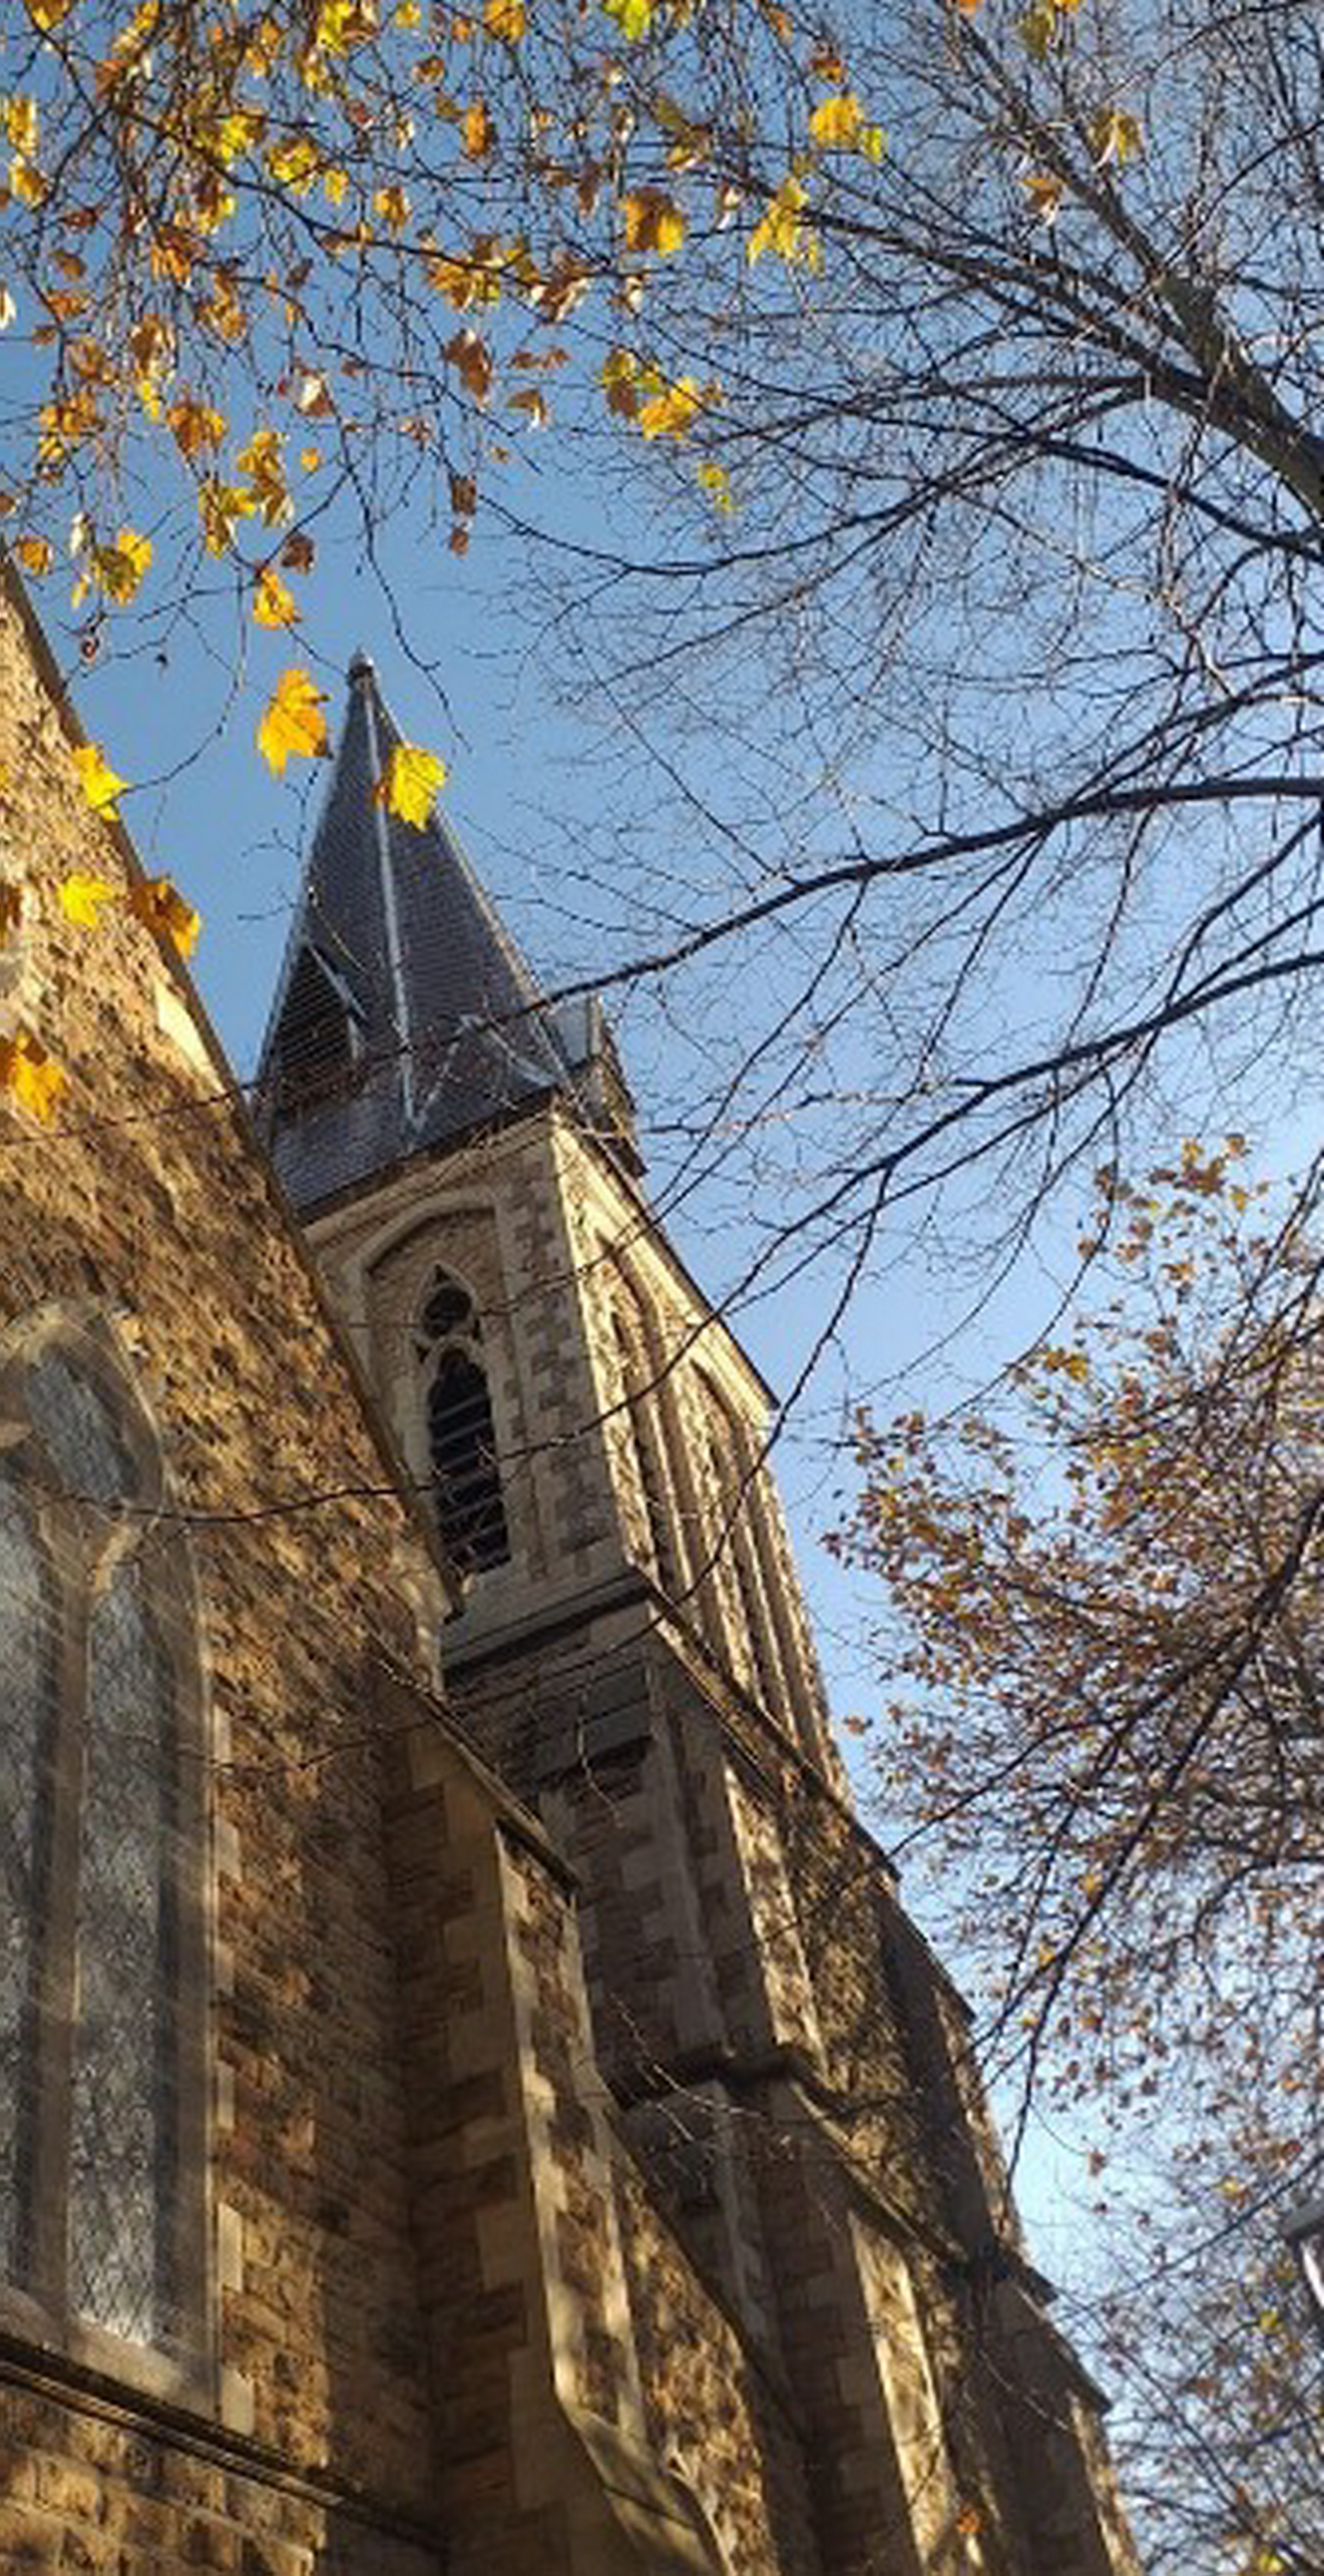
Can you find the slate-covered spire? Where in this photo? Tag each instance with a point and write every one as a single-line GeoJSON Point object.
{"type": "Point", "coordinates": [405, 1015]}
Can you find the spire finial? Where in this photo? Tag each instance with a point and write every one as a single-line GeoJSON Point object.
{"type": "Point", "coordinates": [361, 665]}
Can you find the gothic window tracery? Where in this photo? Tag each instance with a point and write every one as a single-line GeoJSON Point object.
{"type": "Point", "coordinates": [100, 1859]}
{"type": "Point", "coordinates": [461, 1435]}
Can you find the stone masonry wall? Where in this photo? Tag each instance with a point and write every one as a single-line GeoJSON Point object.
{"type": "Point", "coordinates": [145, 1208]}
{"type": "Point", "coordinates": [713, 2413]}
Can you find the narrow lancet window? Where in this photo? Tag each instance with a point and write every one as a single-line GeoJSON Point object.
{"type": "Point", "coordinates": [28, 1688]}
{"type": "Point", "coordinates": [101, 2122]}
{"type": "Point", "coordinates": [734, 1493]}
{"type": "Point", "coordinates": [461, 1435]}
{"type": "Point", "coordinates": [646, 1449]}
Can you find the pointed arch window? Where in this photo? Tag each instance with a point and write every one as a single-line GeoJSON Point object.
{"type": "Point", "coordinates": [646, 1440]}
{"type": "Point", "coordinates": [101, 1880]}
{"type": "Point", "coordinates": [461, 1436]}
{"type": "Point", "coordinates": [734, 1491]}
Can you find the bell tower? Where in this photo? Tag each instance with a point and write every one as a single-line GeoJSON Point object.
{"type": "Point", "coordinates": [787, 2064]}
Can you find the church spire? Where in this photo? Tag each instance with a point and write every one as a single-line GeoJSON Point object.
{"type": "Point", "coordinates": [405, 1015]}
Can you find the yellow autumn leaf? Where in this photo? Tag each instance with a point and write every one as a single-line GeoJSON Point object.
{"type": "Point", "coordinates": [166, 912]}
{"type": "Point", "coordinates": [783, 230]}
{"type": "Point", "coordinates": [392, 204]}
{"type": "Point", "coordinates": [32, 1078]}
{"type": "Point", "coordinates": [713, 479]}
{"type": "Point", "coordinates": [1038, 29]}
{"type": "Point", "coordinates": [408, 785]}
{"type": "Point", "coordinates": [294, 163]}
{"type": "Point", "coordinates": [633, 17]}
{"type": "Point", "coordinates": [21, 118]}
{"type": "Point", "coordinates": [268, 492]}
{"type": "Point", "coordinates": [673, 412]}
{"type": "Point", "coordinates": [82, 899]}
{"type": "Point", "coordinates": [220, 507]}
{"type": "Point", "coordinates": [836, 122]}
{"type": "Point", "coordinates": [1117, 137]}
{"type": "Point", "coordinates": [652, 221]}
{"type": "Point", "coordinates": [36, 554]}
{"type": "Point", "coordinates": [292, 721]}
{"type": "Point", "coordinates": [26, 181]}
{"type": "Point", "coordinates": [619, 376]}
{"type": "Point", "coordinates": [505, 20]}
{"type": "Point", "coordinates": [1045, 192]}
{"type": "Point", "coordinates": [100, 784]}
{"type": "Point", "coordinates": [119, 568]}
{"type": "Point", "coordinates": [274, 603]}
{"type": "Point", "coordinates": [477, 132]}
{"type": "Point", "coordinates": [194, 424]}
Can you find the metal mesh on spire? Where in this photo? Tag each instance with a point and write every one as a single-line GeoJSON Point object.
{"type": "Point", "coordinates": [428, 1017]}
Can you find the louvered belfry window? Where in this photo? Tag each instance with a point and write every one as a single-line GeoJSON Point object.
{"type": "Point", "coordinates": [100, 1859]}
{"type": "Point", "coordinates": [461, 1436]}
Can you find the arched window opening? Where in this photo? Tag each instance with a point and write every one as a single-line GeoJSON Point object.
{"type": "Point", "coordinates": [732, 1484]}
{"type": "Point", "coordinates": [101, 2118]}
{"type": "Point", "coordinates": [29, 1684]}
{"type": "Point", "coordinates": [734, 1540]}
{"type": "Point", "coordinates": [461, 1435]}
{"type": "Point", "coordinates": [646, 1451]}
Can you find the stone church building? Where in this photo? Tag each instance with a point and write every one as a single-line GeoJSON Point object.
{"type": "Point", "coordinates": [471, 2101]}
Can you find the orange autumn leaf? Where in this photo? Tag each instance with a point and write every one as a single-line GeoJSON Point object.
{"type": "Point", "coordinates": [477, 132]}
{"type": "Point", "coordinates": [165, 912]}
{"type": "Point", "coordinates": [469, 353]}
{"type": "Point", "coordinates": [194, 424]}
{"type": "Point", "coordinates": [653, 221]}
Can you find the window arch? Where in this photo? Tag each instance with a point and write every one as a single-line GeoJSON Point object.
{"type": "Point", "coordinates": [734, 1493]}
{"type": "Point", "coordinates": [461, 1436]}
{"type": "Point", "coordinates": [101, 1945]}
{"type": "Point", "coordinates": [647, 1441]}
